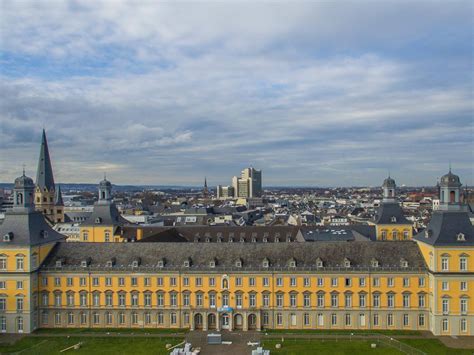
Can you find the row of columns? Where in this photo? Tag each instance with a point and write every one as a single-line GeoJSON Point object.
{"type": "Point", "coordinates": [231, 315]}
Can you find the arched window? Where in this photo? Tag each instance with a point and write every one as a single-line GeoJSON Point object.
{"type": "Point", "coordinates": [452, 196]}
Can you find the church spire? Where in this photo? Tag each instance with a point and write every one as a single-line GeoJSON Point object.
{"type": "Point", "coordinates": [58, 200]}
{"type": "Point", "coordinates": [44, 177]}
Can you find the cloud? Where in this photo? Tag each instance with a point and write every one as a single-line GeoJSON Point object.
{"type": "Point", "coordinates": [172, 92]}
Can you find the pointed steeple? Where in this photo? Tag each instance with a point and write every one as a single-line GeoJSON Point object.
{"type": "Point", "coordinates": [44, 177]}
{"type": "Point", "coordinates": [58, 200]}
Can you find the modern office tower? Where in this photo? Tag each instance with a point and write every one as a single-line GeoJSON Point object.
{"type": "Point", "coordinates": [225, 192]}
{"type": "Point", "coordinates": [249, 184]}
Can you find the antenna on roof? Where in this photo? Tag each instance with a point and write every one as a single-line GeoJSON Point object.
{"type": "Point", "coordinates": [105, 175]}
{"type": "Point", "coordinates": [23, 169]}
{"type": "Point", "coordinates": [450, 166]}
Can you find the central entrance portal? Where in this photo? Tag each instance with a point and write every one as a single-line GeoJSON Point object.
{"type": "Point", "coordinates": [225, 321]}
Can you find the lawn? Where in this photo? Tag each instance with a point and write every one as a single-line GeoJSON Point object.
{"type": "Point", "coordinates": [332, 347]}
{"type": "Point", "coordinates": [90, 345]}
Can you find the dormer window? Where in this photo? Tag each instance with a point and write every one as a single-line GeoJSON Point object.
{"type": "Point", "coordinates": [231, 240]}
{"type": "Point", "coordinates": [288, 239]}
{"type": "Point", "coordinates": [196, 240]}
{"type": "Point", "coordinates": [44, 234]}
{"type": "Point", "coordinates": [208, 240]}
{"type": "Point", "coordinates": [393, 219]}
{"type": "Point", "coordinates": [59, 263]}
{"type": "Point", "coordinates": [375, 263]}
{"type": "Point", "coordinates": [403, 263]}
{"type": "Point", "coordinates": [277, 240]}
{"type": "Point", "coordinates": [8, 237]}
{"type": "Point", "coordinates": [347, 262]}
{"type": "Point", "coordinates": [110, 262]}
{"type": "Point", "coordinates": [265, 239]}
{"type": "Point", "coordinates": [212, 263]}
{"type": "Point", "coordinates": [238, 263]}
{"type": "Point", "coordinates": [84, 263]}
{"type": "Point", "coordinates": [136, 262]}
{"type": "Point", "coordinates": [242, 239]}
{"type": "Point", "coordinates": [292, 263]}
{"type": "Point", "coordinates": [266, 263]}
{"type": "Point", "coordinates": [161, 263]}
{"type": "Point", "coordinates": [254, 240]}
{"type": "Point", "coordinates": [219, 239]}
{"type": "Point", "coordinates": [98, 220]}
{"type": "Point", "coordinates": [319, 262]}
{"type": "Point", "coordinates": [187, 263]}
{"type": "Point", "coordinates": [428, 233]}
{"type": "Point", "coordinates": [461, 237]}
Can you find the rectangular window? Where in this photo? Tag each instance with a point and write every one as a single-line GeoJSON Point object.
{"type": "Point", "coordinates": [320, 320]}
{"type": "Point", "coordinates": [147, 299]}
{"type": "Point", "coordinates": [390, 319]}
{"type": "Point", "coordinates": [348, 300]}
{"type": "Point", "coordinates": [445, 325]}
{"type": "Point", "coordinates": [252, 300]}
{"type": "Point", "coordinates": [292, 300]}
{"type": "Point", "coordinates": [463, 306]}
{"type": "Point", "coordinates": [238, 300]}
{"type": "Point", "coordinates": [160, 297]}
{"type": "Point", "coordinates": [44, 281]}
{"type": "Point", "coordinates": [362, 320]}
{"type": "Point", "coordinates": [348, 282]}
{"type": "Point", "coordinates": [376, 320]}
{"type": "Point", "coordinates": [361, 281]}
{"type": "Point", "coordinates": [69, 282]}
{"type": "Point", "coordinates": [406, 320]}
{"type": "Point", "coordinates": [334, 282]}
{"type": "Point", "coordinates": [251, 281]}
{"type": "Point", "coordinates": [57, 281]}
{"type": "Point", "coordinates": [279, 281]}
{"type": "Point", "coordinates": [421, 320]}
{"type": "Point", "coordinates": [376, 282]}
{"type": "Point", "coordinates": [406, 301]}
{"type": "Point", "coordinates": [266, 282]}
{"type": "Point", "coordinates": [238, 281]}
{"type": "Point", "coordinates": [159, 281]}
{"type": "Point", "coordinates": [333, 319]}
{"type": "Point", "coordinates": [293, 281]}
{"type": "Point", "coordinates": [121, 281]}
{"type": "Point", "coordinates": [95, 281]}
{"type": "Point", "coordinates": [306, 282]}
{"type": "Point", "coordinates": [82, 281]}
{"type": "Point", "coordinates": [19, 285]}
{"type": "Point", "coordinates": [320, 282]}
{"type": "Point", "coordinates": [198, 281]}
{"type": "Point", "coordinates": [445, 285]}
{"type": "Point", "coordinates": [173, 300]}
{"type": "Point", "coordinates": [306, 319]}
{"type": "Point", "coordinates": [108, 281]}
{"type": "Point", "coordinates": [444, 264]}
{"type": "Point", "coordinates": [147, 282]}
{"type": "Point", "coordinates": [421, 301]}
{"type": "Point", "coordinates": [463, 286]}
{"type": "Point", "coordinates": [362, 299]}
{"type": "Point", "coordinates": [266, 300]}
{"type": "Point", "coordinates": [390, 282]}
{"type": "Point", "coordinates": [134, 281]}
{"type": "Point", "coordinates": [198, 299]}
{"type": "Point", "coordinates": [463, 325]}
{"type": "Point", "coordinates": [421, 282]}
{"type": "Point", "coordinates": [212, 282]}
{"type": "Point", "coordinates": [334, 300]}
{"type": "Point", "coordinates": [186, 300]}
{"type": "Point", "coordinates": [390, 300]}
{"type": "Point", "coordinates": [172, 281]}
{"type": "Point", "coordinates": [279, 300]}
{"type": "Point", "coordinates": [376, 301]}
{"type": "Point", "coordinates": [185, 281]}
{"type": "Point", "coordinates": [320, 300]}
{"type": "Point", "coordinates": [279, 319]}
{"type": "Point", "coordinates": [348, 319]}
{"type": "Point", "coordinates": [445, 305]}
{"type": "Point", "coordinates": [406, 282]}
{"type": "Point", "coordinates": [307, 300]}
{"type": "Point", "coordinates": [463, 263]}
{"type": "Point", "coordinates": [212, 300]}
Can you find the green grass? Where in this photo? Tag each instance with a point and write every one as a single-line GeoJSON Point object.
{"type": "Point", "coordinates": [90, 345]}
{"type": "Point", "coordinates": [435, 347]}
{"type": "Point", "coordinates": [112, 330]}
{"type": "Point", "coordinates": [332, 347]}
{"type": "Point", "coordinates": [342, 332]}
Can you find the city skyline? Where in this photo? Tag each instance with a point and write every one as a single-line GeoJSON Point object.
{"type": "Point", "coordinates": [154, 95]}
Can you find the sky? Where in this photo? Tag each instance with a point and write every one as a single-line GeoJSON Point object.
{"type": "Point", "coordinates": [312, 93]}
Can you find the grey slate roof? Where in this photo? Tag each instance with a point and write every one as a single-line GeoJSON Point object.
{"type": "Point", "coordinates": [213, 233]}
{"type": "Point", "coordinates": [44, 177]}
{"type": "Point", "coordinates": [108, 215]}
{"type": "Point", "coordinates": [59, 197]}
{"type": "Point", "coordinates": [333, 254]}
{"type": "Point", "coordinates": [27, 229]}
{"type": "Point", "coordinates": [444, 228]}
{"type": "Point", "coordinates": [387, 210]}
{"type": "Point", "coordinates": [343, 234]}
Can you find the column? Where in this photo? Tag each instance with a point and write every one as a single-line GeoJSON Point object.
{"type": "Point", "coordinates": [204, 321]}
{"type": "Point", "coordinates": [259, 320]}
{"type": "Point", "coordinates": [191, 321]}
{"type": "Point", "coordinates": [231, 322]}
{"type": "Point", "coordinates": [218, 328]}
{"type": "Point", "coordinates": [244, 325]}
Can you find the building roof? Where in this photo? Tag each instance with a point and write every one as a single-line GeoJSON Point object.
{"type": "Point", "coordinates": [389, 182]}
{"type": "Point", "coordinates": [450, 180]}
{"type": "Point", "coordinates": [27, 229]}
{"type": "Point", "coordinates": [105, 214]}
{"type": "Point", "coordinates": [44, 177]}
{"type": "Point", "coordinates": [58, 197]}
{"type": "Point", "coordinates": [333, 255]}
{"type": "Point", "coordinates": [223, 233]}
{"type": "Point", "coordinates": [390, 213]}
{"type": "Point", "coordinates": [448, 228]}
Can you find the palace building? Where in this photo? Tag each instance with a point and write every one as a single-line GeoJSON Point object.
{"type": "Point", "coordinates": [420, 284]}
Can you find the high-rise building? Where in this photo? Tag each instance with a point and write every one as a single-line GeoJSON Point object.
{"type": "Point", "coordinates": [249, 184]}
{"type": "Point", "coordinates": [224, 192]}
